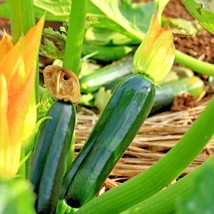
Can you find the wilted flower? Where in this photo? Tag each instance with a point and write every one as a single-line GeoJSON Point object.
{"type": "Point", "coordinates": [17, 77]}
{"type": "Point", "coordinates": [156, 54]}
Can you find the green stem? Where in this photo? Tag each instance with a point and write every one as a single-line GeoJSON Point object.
{"type": "Point", "coordinates": [165, 201]}
{"type": "Point", "coordinates": [76, 28]}
{"type": "Point", "coordinates": [160, 174]}
{"type": "Point", "coordinates": [194, 64]}
{"type": "Point", "coordinates": [21, 17]}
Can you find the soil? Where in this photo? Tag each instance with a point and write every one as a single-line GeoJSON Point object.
{"type": "Point", "coordinates": [199, 46]}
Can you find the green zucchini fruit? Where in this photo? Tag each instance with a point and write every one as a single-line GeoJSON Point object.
{"type": "Point", "coordinates": [92, 82]}
{"type": "Point", "coordinates": [166, 92]}
{"type": "Point", "coordinates": [117, 126]}
{"type": "Point", "coordinates": [50, 155]}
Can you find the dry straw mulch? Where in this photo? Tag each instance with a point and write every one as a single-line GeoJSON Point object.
{"type": "Point", "coordinates": [158, 135]}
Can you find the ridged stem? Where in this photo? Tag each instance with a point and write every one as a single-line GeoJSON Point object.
{"type": "Point", "coordinates": [160, 174]}
{"type": "Point", "coordinates": [194, 64]}
{"type": "Point", "coordinates": [74, 41]}
{"type": "Point", "coordinates": [164, 201]}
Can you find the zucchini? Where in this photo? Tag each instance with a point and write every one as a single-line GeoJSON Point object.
{"type": "Point", "coordinates": [117, 126]}
{"type": "Point", "coordinates": [49, 158]}
{"type": "Point", "coordinates": [166, 92]}
{"type": "Point", "coordinates": [92, 82]}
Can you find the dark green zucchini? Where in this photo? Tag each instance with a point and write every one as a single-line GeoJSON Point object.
{"type": "Point", "coordinates": [92, 82]}
{"type": "Point", "coordinates": [117, 126]}
{"type": "Point", "coordinates": [50, 156]}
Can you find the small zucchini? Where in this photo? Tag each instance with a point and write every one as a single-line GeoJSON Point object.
{"type": "Point", "coordinates": [166, 92]}
{"type": "Point", "coordinates": [117, 126]}
{"type": "Point", "coordinates": [50, 155]}
{"type": "Point", "coordinates": [92, 82]}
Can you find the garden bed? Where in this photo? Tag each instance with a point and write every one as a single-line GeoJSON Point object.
{"type": "Point", "coordinates": [158, 135]}
{"type": "Point", "coordinates": [162, 131]}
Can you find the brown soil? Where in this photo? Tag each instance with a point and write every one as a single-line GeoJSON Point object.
{"type": "Point", "coordinates": [200, 46]}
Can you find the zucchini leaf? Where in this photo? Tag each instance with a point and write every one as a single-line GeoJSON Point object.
{"type": "Point", "coordinates": [58, 8]}
{"type": "Point", "coordinates": [103, 36]}
{"type": "Point", "coordinates": [109, 16]}
{"type": "Point", "coordinates": [203, 11]}
{"type": "Point", "coordinates": [183, 26]}
{"type": "Point", "coordinates": [55, 12]}
{"type": "Point", "coordinates": [139, 14]}
{"type": "Point", "coordinates": [201, 198]}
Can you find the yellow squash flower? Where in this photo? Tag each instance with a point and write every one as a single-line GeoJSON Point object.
{"type": "Point", "coordinates": [156, 53]}
{"type": "Point", "coordinates": [17, 77]}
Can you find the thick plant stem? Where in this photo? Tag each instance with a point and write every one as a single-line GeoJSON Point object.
{"type": "Point", "coordinates": [164, 201]}
{"type": "Point", "coordinates": [160, 174]}
{"type": "Point", "coordinates": [76, 28]}
{"type": "Point", "coordinates": [194, 64]}
{"type": "Point", "coordinates": [21, 17]}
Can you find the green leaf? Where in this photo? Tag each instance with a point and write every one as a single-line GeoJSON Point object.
{"type": "Point", "coordinates": [103, 36]}
{"type": "Point", "coordinates": [59, 8]}
{"type": "Point", "coordinates": [201, 199]}
{"type": "Point", "coordinates": [16, 197]}
{"type": "Point", "coordinates": [109, 16]}
{"type": "Point", "coordinates": [184, 26]}
{"type": "Point", "coordinates": [203, 11]}
{"type": "Point", "coordinates": [40, 8]}
{"type": "Point", "coordinates": [139, 14]}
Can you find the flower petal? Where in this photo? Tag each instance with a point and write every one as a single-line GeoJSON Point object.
{"type": "Point", "coordinates": [4, 135]}
{"type": "Point", "coordinates": [156, 54]}
{"type": "Point", "coordinates": [18, 104]}
{"type": "Point", "coordinates": [5, 161]}
{"type": "Point", "coordinates": [31, 45]}
{"type": "Point", "coordinates": [5, 45]}
{"type": "Point", "coordinates": [12, 67]}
